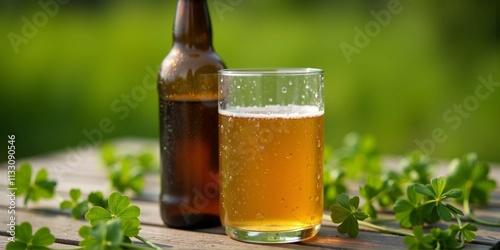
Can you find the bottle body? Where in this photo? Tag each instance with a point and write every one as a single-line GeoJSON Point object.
{"type": "Point", "coordinates": [187, 86]}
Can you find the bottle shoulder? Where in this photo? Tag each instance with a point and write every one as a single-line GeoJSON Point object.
{"type": "Point", "coordinates": [189, 74]}
{"type": "Point", "coordinates": [179, 62]}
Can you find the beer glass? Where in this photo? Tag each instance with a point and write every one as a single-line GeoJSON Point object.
{"type": "Point", "coordinates": [271, 153]}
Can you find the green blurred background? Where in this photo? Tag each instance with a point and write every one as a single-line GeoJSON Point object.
{"type": "Point", "coordinates": [65, 70]}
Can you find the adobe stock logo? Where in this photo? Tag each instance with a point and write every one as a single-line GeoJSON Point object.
{"type": "Point", "coordinates": [222, 7]}
{"type": "Point", "coordinates": [455, 115]}
{"type": "Point", "coordinates": [362, 37]}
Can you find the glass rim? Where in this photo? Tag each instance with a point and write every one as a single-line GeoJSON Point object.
{"type": "Point", "coordinates": [269, 71]}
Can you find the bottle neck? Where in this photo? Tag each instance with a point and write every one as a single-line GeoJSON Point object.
{"type": "Point", "coordinates": [192, 26]}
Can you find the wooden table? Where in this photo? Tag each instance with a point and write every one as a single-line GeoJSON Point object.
{"type": "Point", "coordinates": [84, 169]}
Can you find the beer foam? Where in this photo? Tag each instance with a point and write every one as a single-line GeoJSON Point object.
{"type": "Point", "coordinates": [274, 111]}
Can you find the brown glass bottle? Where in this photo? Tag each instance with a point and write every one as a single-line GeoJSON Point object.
{"type": "Point", "coordinates": [187, 86]}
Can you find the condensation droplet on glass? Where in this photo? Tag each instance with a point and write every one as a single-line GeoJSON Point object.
{"type": "Point", "coordinates": [310, 198]}
{"type": "Point", "coordinates": [303, 96]}
{"type": "Point", "coordinates": [289, 156]}
{"type": "Point", "coordinates": [316, 95]}
{"type": "Point", "coordinates": [283, 90]}
{"type": "Point", "coordinates": [316, 198]}
{"type": "Point", "coordinates": [318, 176]}
{"type": "Point", "coordinates": [164, 148]}
{"type": "Point", "coordinates": [270, 99]}
{"type": "Point", "coordinates": [290, 83]}
{"type": "Point", "coordinates": [238, 86]}
{"type": "Point", "coordinates": [282, 200]}
{"type": "Point", "coordinates": [307, 86]}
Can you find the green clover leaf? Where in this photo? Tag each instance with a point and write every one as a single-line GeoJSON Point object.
{"type": "Point", "coordinates": [78, 208]}
{"type": "Point", "coordinates": [103, 235]}
{"type": "Point", "coordinates": [25, 240]}
{"type": "Point", "coordinates": [435, 206]}
{"type": "Point", "coordinates": [444, 239]}
{"type": "Point", "coordinates": [40, 188]}
{"type": "Point", "coordinates": [393, 189]}
{"type": "Point", "coordinates": [97, 199]}
{"type": "Point", "coordinates": [465, 232]}
{"type": "Point", "coordinates": [372, 189]}
{"type": "Point", "coordinates": [333, 184]}
{"type": "Point", "coordinates": [23, 181]}
{"type": "Point", "coordinates": [345, 211]}
{"type": "Point", "coordinates": [146, 161]}
{"type": "Point", "coordinates": [408, 210]}
{"type": "Point", "coordinates": [126, 175]}
{"type": "Point", "coordinates": [108, 154]}
{"type": "Point", "coordinates": [417, 168]}
{"type": "Point", "coordinates": [419, 240]}
{"type": "Point", "coordinates": [358, 156]}
{"type": "Point", "coordinates": [126, 172]}
{"type": "Point", "coordinates": [471, 177]}
{"type": "Point", "coordinates": [119, 207]}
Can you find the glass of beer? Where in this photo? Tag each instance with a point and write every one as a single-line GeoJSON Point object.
{"type": "Point", "coordinates": [271, 153]}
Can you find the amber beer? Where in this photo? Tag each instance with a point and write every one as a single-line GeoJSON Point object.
{"type": "Point", "coordinates": [272, 174]}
